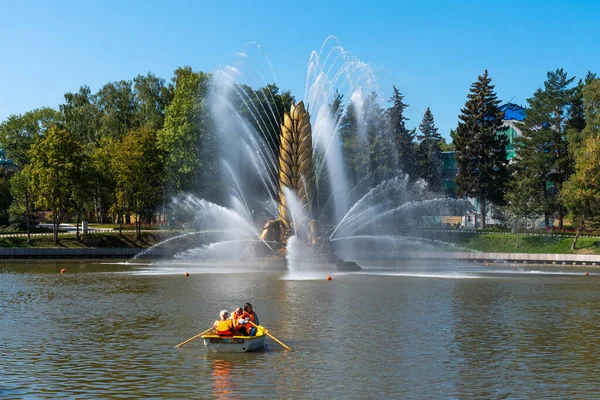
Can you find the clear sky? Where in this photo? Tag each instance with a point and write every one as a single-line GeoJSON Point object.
{"type": "Point", "coordinates": [432, 50]}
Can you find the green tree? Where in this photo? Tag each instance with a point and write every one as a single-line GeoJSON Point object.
{"type": "Point", "coordinates": [55, 164]}
{"type": "Point", "coordinates": [6, 174]}
{"type": "Point", "coordinates": [19, 132]}
{"type": "Point", "coordinates": [152, 97]}
{"type": "Point", "coordinates": [576, 121]}
{"type": "Point", "coordinates": [480, 153]}
{"type": "Point", "coordinates": [403, 137]}
{"type": "Point", "coordinates": [445, 146]}
{"type": "Point", "coordinates": [542, 151]}
{"type": "Point", "coordinates": [180, 140]}
{"type": "Point", "coordinates": [138, 169]}
{"type": "Point", "coordinates": [22, 205]}
{"type": "Point", "coordinates": [117, 104]}
{"type": "Point", "coordinates": [353, 144]}
{"type": "Point", "coordinates": [581, 193]}
{"type": "Point", "coordinates": [102, 177]}
{"type": "Point", "coordinates": [429, 153]}
{"type": "Point", "coordinates": [591, 106]}
{"type": "Point", "coordinates": [264, 109]}
{"type": "Point", "coordinates": [522, 204]}
{"type": "Point", "coordinates": [81, 115]}
{"type": "Point", "coordinates": [382, 161]}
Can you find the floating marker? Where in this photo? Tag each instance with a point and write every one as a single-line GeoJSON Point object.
{"type": "Point", "coordinates": [187, 274]}
{"type": "Point", "coordinates": [63, 271]}
{"type": "Point", "coordinates": [328, 277]}
{"type": "Point", "coordinates": [587, 273]}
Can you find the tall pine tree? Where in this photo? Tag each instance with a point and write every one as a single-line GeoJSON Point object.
{"type": "Point", "coordinates": [404, 138]}
{"type": "Point", "coordinates": [542, 152]}
{"type": "Point", "coordinates": [480, 153]}
{"type": "Point", "coordinates": [429, 154]}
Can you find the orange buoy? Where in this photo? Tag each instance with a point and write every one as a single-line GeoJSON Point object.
{"type": "Point", "coordinates": [62, 271]}
{"type": "Point", "coordinates": [328, 277]}
{"type": "Point", "coordinates": [587, 273]}
{"type": "Point", "coordinates": [187, 274]}
{"type": "Point", "coordinates": [487, 264]}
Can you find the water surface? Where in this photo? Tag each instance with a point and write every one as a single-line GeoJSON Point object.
{"type": "Point", "coordinates": [424, 331]}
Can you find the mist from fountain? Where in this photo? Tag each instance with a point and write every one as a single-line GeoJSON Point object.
{"type": "Point", "coordinates": [250, 163]}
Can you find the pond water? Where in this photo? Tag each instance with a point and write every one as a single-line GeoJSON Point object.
{"type": "Point", "coordinates": [414, 331]}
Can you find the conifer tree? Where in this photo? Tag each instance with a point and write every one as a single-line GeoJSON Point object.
{"type": "Point", "coordinates": [404, 138]}
{"type": "Point", "coordinates": [429, 154]}
{"type": "Point", "coordinates": [481, 154]}
{"type": "Point", "coordinates": [542, 152]}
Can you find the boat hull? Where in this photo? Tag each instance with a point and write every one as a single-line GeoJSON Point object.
{"type": "Point", "coordinates": [236, 344]}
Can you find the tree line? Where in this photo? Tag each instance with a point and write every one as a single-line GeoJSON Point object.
{"type": "Point", "coordinates": [124, 150]}
{"type": "Point", "coordinates": [555, 172]}
{"type": "Point", "coordinates": [134, 144]}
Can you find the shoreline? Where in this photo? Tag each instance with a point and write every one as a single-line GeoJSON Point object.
{"type": "Point", "coordinates": [16, 253]}
{"type": "Point", "coordinates": [509, 258]}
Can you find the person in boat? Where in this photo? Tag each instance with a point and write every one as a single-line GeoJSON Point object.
{"type": "Point", "coordinates": [239, 322]}
{"type": "Point", "coordinates": [224, 326]}
{"type": "Point", "coordinates": [243, 321]}
{"type": "Point", "coordinates": [236, 315]}
{"type": "Point", "coordinates": [251, 316]}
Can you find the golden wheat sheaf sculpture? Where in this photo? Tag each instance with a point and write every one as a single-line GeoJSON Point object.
{"type": "Point", "coordinates": [295, 162]}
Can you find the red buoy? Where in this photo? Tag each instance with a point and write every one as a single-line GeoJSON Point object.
{"type": "Point", "coordinates": [62, 271]}
{"type": "Point", "coordinates": [187, 274]}
{"type": "Point", "coordinates": [328, 278]}
{"type": "Point", "coordinates": [587, 273]}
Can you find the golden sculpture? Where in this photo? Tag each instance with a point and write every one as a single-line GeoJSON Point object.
{"type": "Point", "coordinates": [295, 174]}
{"type": "Point", "coordinates": [295, 164]}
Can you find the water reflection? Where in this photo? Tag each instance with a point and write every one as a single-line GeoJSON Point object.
{"type": "Point", "coordinates": [223, 383]}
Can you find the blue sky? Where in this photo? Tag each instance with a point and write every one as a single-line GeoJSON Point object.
{"type": "Point", "coordinates": [431, 50]}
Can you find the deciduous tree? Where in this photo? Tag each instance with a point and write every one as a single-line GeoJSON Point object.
{"type": "Point", "coordinates": [19, 132]}
{"type": "Point", "coordinates": [55, 165]}
{"type": "Point", "coordinates": [22, 206]}
{"type": "Point", "coordinates": [138, 170]}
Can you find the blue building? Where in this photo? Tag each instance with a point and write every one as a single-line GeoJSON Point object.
{"type": "Point", "coordinates": [513, 114]}
{"type": "Point", "coordinates": [3, 159]}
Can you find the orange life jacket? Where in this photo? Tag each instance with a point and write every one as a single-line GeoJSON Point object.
{"type": "Point", "coordinates": [224, 328]}
{"type": "Point", "coordinates": [244, 327]}
{"type": "Point", "coordinates": [234, 317]}
{"type": "Point", "coordinates": [252, 317]}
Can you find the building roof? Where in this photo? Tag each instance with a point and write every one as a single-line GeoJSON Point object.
{"type": "Point", "coordinates": [513, 112]}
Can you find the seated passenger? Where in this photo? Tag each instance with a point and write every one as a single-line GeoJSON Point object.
{"type": "Point", "coordinates": [251, 315]}
{"type": "Point", "coordinates": [236, 315]}
{"type": "Point", "coordinates": [224, 326]}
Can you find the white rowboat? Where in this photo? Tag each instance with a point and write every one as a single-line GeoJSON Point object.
{"type": "Point", "coordinates": [236, 344]}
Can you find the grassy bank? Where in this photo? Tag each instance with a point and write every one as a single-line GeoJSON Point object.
{"type": "Point", "coordinates": [506, 243]}
{"type": "Point", "coordinates": [93, 240]}
{"type": "Point", "coordinates": [490, 242]}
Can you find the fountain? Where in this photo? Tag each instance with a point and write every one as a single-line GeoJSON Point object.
{"type": "Point", "coordinates": [290, 202]}
{"type": "Point", "coordinates": [296, 190]}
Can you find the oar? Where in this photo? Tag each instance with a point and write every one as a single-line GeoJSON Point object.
{"type": "Point", "coordinates": [195, 337]}
{"type": "Point", "coordinates": [269, 335]}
